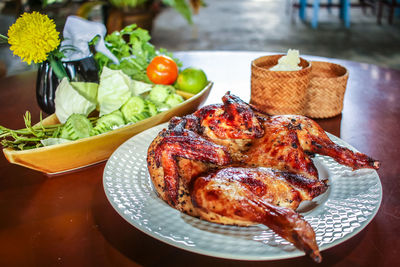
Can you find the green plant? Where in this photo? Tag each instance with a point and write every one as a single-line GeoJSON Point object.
{"type": "Point", "coordinates": [185, 7]}
{"type": "Point", "coordinates": [127, 3]}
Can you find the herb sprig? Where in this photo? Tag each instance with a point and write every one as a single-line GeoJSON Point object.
{"type": "Point", "coordinates": [30, 136]}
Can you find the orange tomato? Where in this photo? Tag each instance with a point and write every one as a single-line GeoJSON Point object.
{"type": "Point", "coordinates": [162, 70]}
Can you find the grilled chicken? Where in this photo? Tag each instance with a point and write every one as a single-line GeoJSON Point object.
{"type": "Point", "coordinates": [289, 140]}
{"type": "Point", "coordinates": [183, 144]}
{"type": "Point", "coordinates": [257, 195]}
{"type": "Point", "coordinates": [231, 163]}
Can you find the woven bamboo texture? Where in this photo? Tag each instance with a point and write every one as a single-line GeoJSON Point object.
{"type": "Point", "coordinates": [316, 91]}
{"type": "Point", "coordinates": [279, 92]}
{"type": "Point", "coordinates": [326, 91]}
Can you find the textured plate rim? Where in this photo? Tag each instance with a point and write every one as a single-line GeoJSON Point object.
{"type": "Point", "coordinates": [233, 256]}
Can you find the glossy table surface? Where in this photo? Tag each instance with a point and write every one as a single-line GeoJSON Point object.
{"type": "Point", "coordinates": [66, 220]}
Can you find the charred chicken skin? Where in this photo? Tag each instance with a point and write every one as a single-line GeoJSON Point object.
{"type": "Point", "coordinates": [233, 164]}
{"type": "Point", "coordinates": [255, 195]}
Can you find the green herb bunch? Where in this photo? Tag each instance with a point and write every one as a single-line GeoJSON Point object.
{"type": "Point", "coordinates": [30, 136]}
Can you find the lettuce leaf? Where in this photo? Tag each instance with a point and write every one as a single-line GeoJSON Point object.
{"type": "Point", "coordinates": [87, 90]}
{"type": "Point", "coordinates": [69, 101]}
{"type": "Point", "coordinates": [139, 88]}
{"type": "Point", "coordinates": [114, 90]}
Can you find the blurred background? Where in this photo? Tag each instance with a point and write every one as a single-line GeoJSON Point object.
{"type": "Point", "coordinates": [364, 30]}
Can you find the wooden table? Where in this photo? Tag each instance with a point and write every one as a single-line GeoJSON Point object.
{"type": "Point", "coordinates": [66, 220]}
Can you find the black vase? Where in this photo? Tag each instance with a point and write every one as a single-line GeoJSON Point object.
{"type": "Point", "coordinates": [83, 70]}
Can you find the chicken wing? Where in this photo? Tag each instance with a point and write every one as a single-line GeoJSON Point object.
{"type": "Point", "coordinates": [289, 140]}
{"type": "Point", "coordinates": [181, 143]}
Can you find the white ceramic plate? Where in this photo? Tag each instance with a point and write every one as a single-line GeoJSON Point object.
{"type": "Point", "coordinates": [349, 204]}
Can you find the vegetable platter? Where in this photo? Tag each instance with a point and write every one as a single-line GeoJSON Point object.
{"type": "Point", "coordinates": [87, 151]}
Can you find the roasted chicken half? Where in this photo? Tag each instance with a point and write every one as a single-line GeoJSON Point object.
{"type": "Point", "coordinates": [233, 164]}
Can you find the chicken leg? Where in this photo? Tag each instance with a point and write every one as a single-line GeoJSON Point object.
{"type": "Point", "coordinates": [239, 193]}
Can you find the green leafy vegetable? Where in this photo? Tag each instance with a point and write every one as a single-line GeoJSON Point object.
{"type": "Point", "coordinates": [133, 50]}
{"type": "Point", "coordinates": [68, 101]}
{"type": "Point", "coordinates": [124, 95]}
{"type": "Point", "coordinates": [114, 90]}
{"type": "Point", "coordinates": [139, 88]}
{"type": "Point", "coordinates": [86, 89]}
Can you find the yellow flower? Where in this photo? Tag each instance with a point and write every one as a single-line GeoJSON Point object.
{"type": "Point", "coordinates": [33, 36]}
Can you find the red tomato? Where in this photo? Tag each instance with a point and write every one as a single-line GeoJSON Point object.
{"type": "Point", "coordinates": [162, 70]}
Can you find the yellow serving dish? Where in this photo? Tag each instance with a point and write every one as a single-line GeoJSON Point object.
{"type": "Point", "coordinates": [87, 151]}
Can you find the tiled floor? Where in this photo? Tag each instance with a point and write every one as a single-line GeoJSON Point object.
{"type": "Point", "coordinates": [266, 25]}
